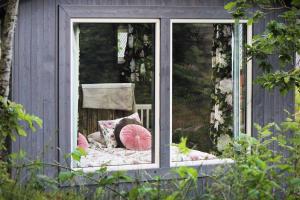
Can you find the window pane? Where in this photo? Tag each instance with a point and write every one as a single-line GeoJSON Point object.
{"type": "Point", "coordinates": [202, 88]}
{"type": "Point", "coordinates": [113, 100]}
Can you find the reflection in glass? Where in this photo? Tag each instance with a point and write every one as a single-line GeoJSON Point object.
{"type": "Point", "coordinates": [202, 94]}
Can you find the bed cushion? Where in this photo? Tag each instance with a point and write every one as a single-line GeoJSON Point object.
{"type": "Point", "coordinates": [107, 128]}
{"type": "Point", "coordinates": [135, 137]}
{"type": "Point", "coordinates": [120, 125]}
{"type": "Point", "coordinates": [97, 137]}
{"type": "Point", "coordinates": [82, 142]}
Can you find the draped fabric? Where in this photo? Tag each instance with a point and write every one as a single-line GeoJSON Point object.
{"type": "Point", "coordinates": [109, 96]}
{"type": "Point", "coordinates": [222, 107]}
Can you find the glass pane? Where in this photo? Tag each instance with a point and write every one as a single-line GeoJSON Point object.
{"type": "Point", "coordinates": [114, 92]}
{"type": "Point", "coordinates": [202, 94]}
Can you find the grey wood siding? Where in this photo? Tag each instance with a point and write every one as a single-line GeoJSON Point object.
{"type": "Point", "coordinates": [36, 70]}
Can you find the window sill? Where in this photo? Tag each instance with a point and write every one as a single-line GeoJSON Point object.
{"type": "Point", "coordinates": [202, 162]}
{"type": "Point", "coordinates": [147, 172]}
{"type": "Point", "coordinates": [119, 168]}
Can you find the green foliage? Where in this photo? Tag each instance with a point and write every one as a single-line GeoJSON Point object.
{"type": "Point", "coordinates": [260, 170]}
{"type": "Point", "coordinates": [14, 121]}
{"type": "Point", "coordinates": [78, 153]}
{"type": "Point", "coordinates": [286, 81]}
{"type": "Point", "coordinates": [280, 38]}
{"type": "Point", "coordinates": [182, 146]}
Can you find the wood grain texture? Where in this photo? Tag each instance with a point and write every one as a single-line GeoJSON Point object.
{"type": "Point", "coordinates": [64, 82]}
{"type": "Point", "coordinates": [165, 94]}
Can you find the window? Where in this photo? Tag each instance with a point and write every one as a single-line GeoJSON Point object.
{"type": "Point", "coordinates": [209, 96]}
{"type": "Point", "coordinates": [115, 87]}
{"type": "Point", "coordinates": [115, 91]}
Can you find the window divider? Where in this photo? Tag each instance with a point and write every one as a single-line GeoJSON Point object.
{"type": "Point", "coordinates": [165, 95]}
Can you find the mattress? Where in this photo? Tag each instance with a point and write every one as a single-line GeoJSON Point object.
{"type": "Point", "coordinates": [120, 156]}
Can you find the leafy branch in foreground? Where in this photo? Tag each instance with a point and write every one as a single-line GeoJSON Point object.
{"type": "Point", "coordinates": [261, 171]}
{"type": "Point", "coordinates": [280, 38]}
{"type": "Point", "coordinates": [14, 121]}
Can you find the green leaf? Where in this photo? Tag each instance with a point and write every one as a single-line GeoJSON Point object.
{"type": "Point", "coordinates": [65, 176]}
{"type": "Point", "coordinates": [229, 6]}
{"type": "Point", "coordinates": [286, 79]}
{"type": "Point", "coordinates": [78, 153]}
{"type": "Point", "coordinates": [250, 21]}
{"type": "Point", "coordinates": [37, 120]}
{"type": "Point", "coordinates": [182, 146]}
{"type": "Point", "coordinates": [133, 194]}
{"type": "Point", "coordinates": [295, 181]}
{"type": "Point", "coordinates": [21, 131]}
{"type": "Point", "coordinates": [261, 164]}
{"type": "Point", "coordinates": [296, 3]}
{"type": "Point", "coordinates": [187, 172]}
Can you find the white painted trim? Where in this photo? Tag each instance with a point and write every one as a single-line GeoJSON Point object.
{"type": "Point", "coordinates": [71, 88]}
{"type": "Point", "coordinates": [119, 167]}
{"type": "Point", "coordinates": [206, 21]}
{"type": "Point", "coordinates": [113, 20]}
{"type": "Point", "coordinates": [249, 85]}
{"type": "Point", "coordinates": [202, 162]}
{"type": "Point", "coordinates": [157, 90]}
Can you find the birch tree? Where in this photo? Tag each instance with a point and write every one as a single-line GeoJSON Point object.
{"type": "Point", "coordinates": [9, 25]}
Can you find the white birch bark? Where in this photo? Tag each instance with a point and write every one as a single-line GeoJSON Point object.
{"type": "Point", "coordinates": [9, 25]}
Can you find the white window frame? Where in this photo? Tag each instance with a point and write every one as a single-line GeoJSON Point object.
{"type": "Point", "coordinates": [156, 100]}
{"type": "Point", "coordinates": [248, 87]}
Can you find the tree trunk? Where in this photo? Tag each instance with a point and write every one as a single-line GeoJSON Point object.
{"type": "Point", "coordinates": [7, 46]}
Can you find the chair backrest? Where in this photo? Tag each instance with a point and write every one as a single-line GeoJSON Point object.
{"type": "Point", "coordinates": [144, 111]}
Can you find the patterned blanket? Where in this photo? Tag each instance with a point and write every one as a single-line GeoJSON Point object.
{"type": "Point", "coordinates": [99, 156]}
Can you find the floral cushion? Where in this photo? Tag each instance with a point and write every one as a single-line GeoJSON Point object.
{"type": "Point", "coordinates": [107, 128]}
{"type": "Point", "coordinates": [136, 137]}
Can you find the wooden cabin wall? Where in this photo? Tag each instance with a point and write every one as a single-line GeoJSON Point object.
{"type": "Point", "coordinates": [35, 72]}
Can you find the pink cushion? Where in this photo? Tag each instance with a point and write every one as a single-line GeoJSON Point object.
{"type": "Point", "coordinates": [135, 137]}
{"type": "Point", "coordinates": [107, 128]}
{"type": "Point", "coordinates": [82, 142]}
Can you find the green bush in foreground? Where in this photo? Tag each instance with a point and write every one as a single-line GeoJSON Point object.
{"type": "Point", "coordinates": [259, 171]}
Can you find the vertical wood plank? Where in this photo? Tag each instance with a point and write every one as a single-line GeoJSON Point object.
{"type": "Point", "coordinates": [48, 63]}
{"type": "Point", "coordinates": [64, 80]}
{"type": "Point", "coordinates": [36, 82]}
{"type": "Point", "coordinates": [24, 83]}
{"type": "Point", "coordinates": [257, 91]}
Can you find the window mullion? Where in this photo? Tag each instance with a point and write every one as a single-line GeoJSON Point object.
{"type": "Point", "coordinates": [165, 94]}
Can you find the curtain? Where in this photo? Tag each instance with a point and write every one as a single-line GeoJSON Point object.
{"type": "Point", "coordinates": [222, 105]}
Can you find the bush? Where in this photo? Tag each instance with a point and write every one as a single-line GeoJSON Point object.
{"type": "Point", "coordinates": [266, 167]}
